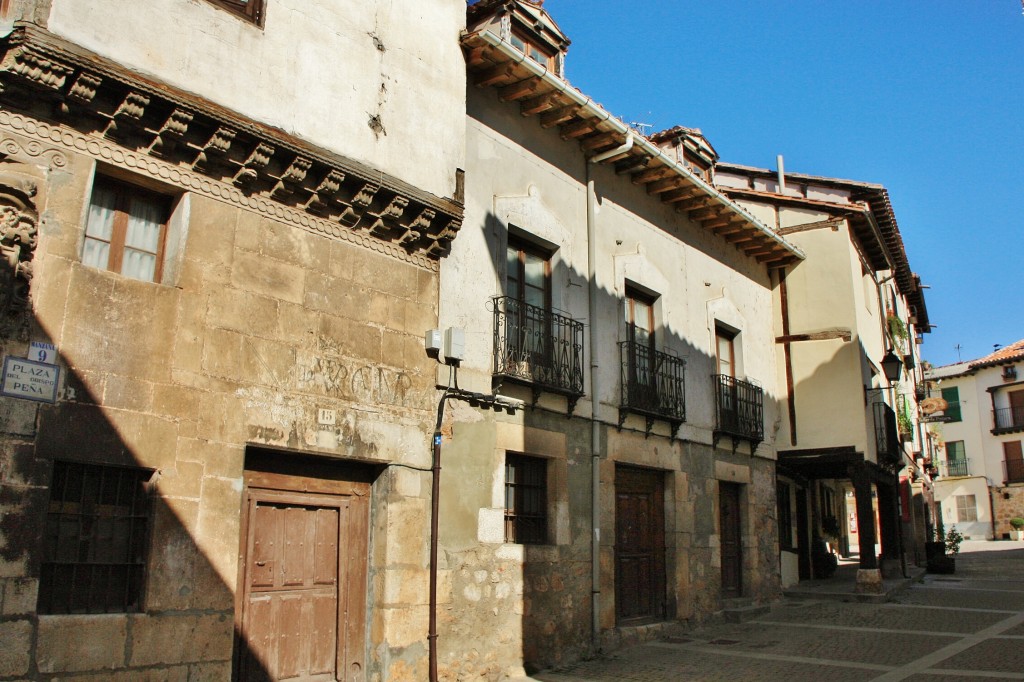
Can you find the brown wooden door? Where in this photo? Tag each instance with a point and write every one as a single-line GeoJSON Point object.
{"type": "Point", "coordinates": [730, 529]}
{"type": "Point", "coordinates": [301, 580]}
{"type": "Point", "coordinates": [1016, 408]}
{"type": "Point", "coordinates": [1013, 458]}
{"type": "Point", "coordinates": [639, 545]}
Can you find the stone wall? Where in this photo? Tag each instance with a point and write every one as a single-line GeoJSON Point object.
{"type": "Point", "coordinates": [1009, 504]}
{"type": "Point", "coordinates": [258, 326]}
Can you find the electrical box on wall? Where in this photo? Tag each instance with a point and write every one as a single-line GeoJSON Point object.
{"type": "Point", "coordinates": [454, 345]}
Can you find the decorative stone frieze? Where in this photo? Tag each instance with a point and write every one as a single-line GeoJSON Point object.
{"type": "Point", "coordinates": [100, 103]}
{"type": "Point", "coordinates": [18, 229]}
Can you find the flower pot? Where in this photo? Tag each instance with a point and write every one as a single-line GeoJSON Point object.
{"type": "Point", "coordinates": [1017, 534]}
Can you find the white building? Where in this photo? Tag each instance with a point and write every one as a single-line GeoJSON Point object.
{"type": "Point", "coordinates": [979, 425]}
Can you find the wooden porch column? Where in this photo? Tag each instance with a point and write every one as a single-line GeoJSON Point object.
{"type": "Point", "coordinates": [865, 515]}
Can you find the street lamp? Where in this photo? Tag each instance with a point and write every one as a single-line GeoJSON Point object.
{"type": "Point", "coordinates": [892, 366]}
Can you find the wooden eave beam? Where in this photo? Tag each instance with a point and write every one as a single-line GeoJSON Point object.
{"type": "Point", "coordinates": [652, 174]}
{"type": "Point", "coordinates": [724, 230]}
{"type": "Point", "coordinates": [550, 119]}
{"type": "Point", "coordinates": [708, 213]}
{"type": "Point", "coordinates": [631, 164]}
{"type": "Point", "coordinates": [493, 75]}
{"type": "Point", "coordinates": [668, 184]}
{"type": "Point", "coordinates": [727, 220]}
{"type": "Point", "coordinates": [571, 131]}
{"type": "Point", "coordinates": [538, 104]}
{"type": "Point", "coordinates": [594, 142]}
{"type": "Point", "coordinates": [481, 54]}
{"type": "Point", "coordinates": [517, 91]}
{"type": "Point", "coordinates": [685, 194]}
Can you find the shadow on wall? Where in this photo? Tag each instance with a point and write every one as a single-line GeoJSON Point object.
{"type": "Point", "coordinates": [89, 529]}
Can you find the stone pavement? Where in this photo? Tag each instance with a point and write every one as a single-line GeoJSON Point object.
{"type": "Point", "coordinates": [962, 627]}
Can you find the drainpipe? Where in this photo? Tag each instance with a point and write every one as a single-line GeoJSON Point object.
{"type": "Point", "coordinates": [595, 427]}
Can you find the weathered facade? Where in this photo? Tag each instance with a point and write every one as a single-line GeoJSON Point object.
{"type": "Point", "coordinates": [846, 429]}
{"type": "Point", "coordinates": [221, 251]}
{"type": "Point", "coordinates": [596, 285]}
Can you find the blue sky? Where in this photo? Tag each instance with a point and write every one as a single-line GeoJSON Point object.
{"type": "Point", "coordinates": [925, 98]}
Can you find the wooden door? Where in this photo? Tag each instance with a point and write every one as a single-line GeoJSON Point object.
{"type": "Point", "coordinates": [730, 529]}
{"type": "Point", "coordinates": [1016, 408]}
{"type": "Point", "coordinates": [303, 591]}
{"type": "Point", "coordinates": [639, 545]}
{"type": "Point", "coordinates": [1013, 461]}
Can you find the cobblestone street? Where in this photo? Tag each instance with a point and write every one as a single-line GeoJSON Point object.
{"type": "Point", "coordinates": [966, 626]}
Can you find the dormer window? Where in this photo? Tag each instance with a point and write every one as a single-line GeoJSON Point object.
{"type": "Point", "coordinates": [533, 50]}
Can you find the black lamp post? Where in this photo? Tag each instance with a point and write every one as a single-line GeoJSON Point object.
{"type": "Point", "coordinates": [892, 366]}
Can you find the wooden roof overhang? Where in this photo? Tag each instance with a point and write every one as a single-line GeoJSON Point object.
{"type": "Point", "coordinates": [873, 222]}
{"type": "Point", "coordinates": [492, 62]}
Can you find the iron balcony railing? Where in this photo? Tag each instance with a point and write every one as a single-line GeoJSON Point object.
{"type": "Point", "coordinates": [887, 440]}
{"type": "Point", "coordinates": [956, 467]}
{"type": "Point", "coordinates": [740, 408]}
{"type": "Point", "coordinates": [1008, 418]}
{"type": "Point", "coordinates": [652, 382]}
{"type": "Point", "coordinates": [537, 346]}
{"type": "Point", "coordinates": [1013, 470]}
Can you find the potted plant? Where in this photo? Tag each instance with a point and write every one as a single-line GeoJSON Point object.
{"type": "Point", "coordinates": [942, 553]}
{"type": "Point", "coordinates": [1017, 524]}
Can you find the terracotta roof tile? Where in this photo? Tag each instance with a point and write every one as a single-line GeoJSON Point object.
{"type": "Point", "coordinates": [1015, 351]}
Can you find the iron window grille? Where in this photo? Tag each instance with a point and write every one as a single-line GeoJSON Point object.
{"type": "Point", "coordinates": [739, 408]}
{"type": "Point", "coordinates": [537, 346]}
{"type": "Point", "coordinates": [1013, 470]}
{"type": "Point", "coordinates": [526, 500]}
{"type": "Point", "coordinates": [96, 539]}
{"type": "Point", "coordinates": [887, 440]}
{"type": "Point", "coordinates": [652, 383]}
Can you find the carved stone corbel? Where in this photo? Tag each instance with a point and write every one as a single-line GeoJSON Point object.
{"type": "Point", "coordinates": [360, 202]}
{"type": "Point", "coordinates": [18, 230]}
{"type": "Point", "coordinates": [214, 150]}
{"type": "Point", "coordinates": [171, 133]}
{"type": "Point", "coordinates": [291, 180]}
{"type": "Point", "coordinates": [416, 232]}
{"type": "Point", "coordinates": [257, 162]}
{"type": "Point", "coordinates": [387, 224]}
{"type": "Point", "coordinates": [128, 116]}
{"type": "Point", "coordinates": [326, 194]}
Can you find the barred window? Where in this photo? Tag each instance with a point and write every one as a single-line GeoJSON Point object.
{"type": "Point", "coordinates": [526, 499]}
{"type": "Point", "coordinates": [96, 541]}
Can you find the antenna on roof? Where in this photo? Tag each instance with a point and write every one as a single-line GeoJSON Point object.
{"type": "Point", "coordinates": [997, 346]}
{"type": "Point", "coordinates": [958, 346]}
{"type": "Point", "coordinates": [642, 128]}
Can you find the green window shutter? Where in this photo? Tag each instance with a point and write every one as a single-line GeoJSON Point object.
{"type": "Point", "coordinates": [952, 396]}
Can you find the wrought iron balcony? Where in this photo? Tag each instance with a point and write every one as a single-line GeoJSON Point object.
{"type": "Point", "coordinates": [887, 439]}
{"type": "Point", "coordinates": [1008, 419]}
{"type": "Point", "coordinates": [956, 467]}
{"type": "Point", "coordinates": [652, 385]}
{"type": "Point", "coordinates": [538, 347]}
{"type": "Point", "coordinates": [739, 409]}
{"type": "Point", "coordinates": [1013, 470]}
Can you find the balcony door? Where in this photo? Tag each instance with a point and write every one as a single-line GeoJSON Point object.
{"type": "Point", "coordinates": [1016, 408]}
{"type": "Point", "coordinates": [725, 344]}
{"type": "Point", "coordinates": [643, 388]}
{"type": "Point", "coordinates": [528, 288]}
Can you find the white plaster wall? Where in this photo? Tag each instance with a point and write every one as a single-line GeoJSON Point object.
{"type": "Point", "coordinates": [946, 492]}
{"type": "Point", "coordinates": [313, 70]}
{"type": "Point", "coordinates": [518, 172]}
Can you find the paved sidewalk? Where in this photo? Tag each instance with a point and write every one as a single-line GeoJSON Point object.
{"type": "Point", "coordinates": [956, 628]}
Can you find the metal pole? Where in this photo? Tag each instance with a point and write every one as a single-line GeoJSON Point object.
{"type": "Point", "coordinates": [435, 489]}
